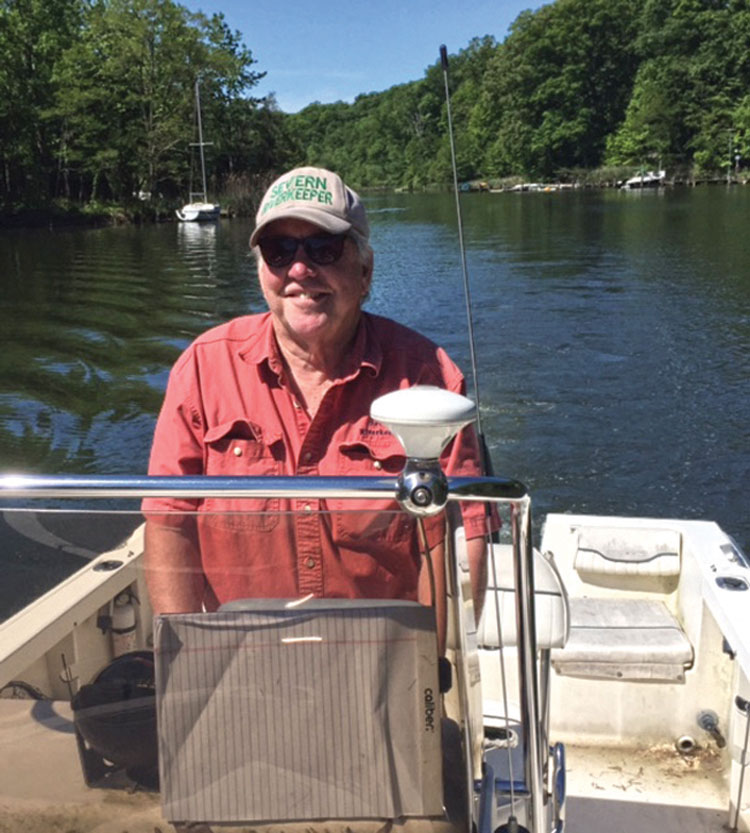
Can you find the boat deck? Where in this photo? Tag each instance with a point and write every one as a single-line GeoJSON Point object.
{"type": "Point", "coordinates": [42, 786]}
{"type": "Point", "coordinates": [619, 790]}
{"type": "Point", "coordinates": [616, 790]}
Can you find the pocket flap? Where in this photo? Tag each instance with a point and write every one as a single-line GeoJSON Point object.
{"type": "Point", "coordinates": [240, 429]}
{"type": "Point", "coordinates": [381, 448]}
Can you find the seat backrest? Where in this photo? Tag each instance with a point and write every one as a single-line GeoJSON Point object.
{"type": "Point", "coordinates": [550, 602]}
{"type": "Point", "coordinates": [608, 552]}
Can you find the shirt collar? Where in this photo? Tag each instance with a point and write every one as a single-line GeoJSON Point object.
{"type": "Point", "coordinates": [262, 347]}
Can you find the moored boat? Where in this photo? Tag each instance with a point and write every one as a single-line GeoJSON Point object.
{"type": "Point", "coordinates": [199, 209]}
{"type": "Point", "coordinates": [199, 212]}
{"type": "Point", "coordinates": [645, 179]}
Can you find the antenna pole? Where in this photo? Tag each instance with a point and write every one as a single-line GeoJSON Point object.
{"type": "Point", "coordinates": [520, 520]}
{"type": "Point", "coordinates": [484, 456]}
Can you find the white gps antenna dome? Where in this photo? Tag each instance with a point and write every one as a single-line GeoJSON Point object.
{"type": "Point", "coordinates": [425, 418]}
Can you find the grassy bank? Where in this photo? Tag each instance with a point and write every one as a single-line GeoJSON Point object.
{"type": "Point", "coordinates": [68, 213]}
{"type": "Point", "coordinates": [241, 195]}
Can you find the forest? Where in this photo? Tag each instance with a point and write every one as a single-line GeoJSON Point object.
{"type": "Point", "coordinates": [97, 110]}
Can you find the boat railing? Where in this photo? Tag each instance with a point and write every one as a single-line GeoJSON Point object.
{"type": "Point", "coordinates": [74, 486]}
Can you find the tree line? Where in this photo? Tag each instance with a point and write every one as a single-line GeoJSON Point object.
{"type": "Point", "coordinates": [578, 87]}
{"type": "Point", "coordinates": [96, 103]}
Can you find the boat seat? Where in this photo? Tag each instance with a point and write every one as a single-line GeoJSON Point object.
{"type": "Point", "coordinates": [623, 639]}
{"type": "Point", "coordinates": [551, 602]}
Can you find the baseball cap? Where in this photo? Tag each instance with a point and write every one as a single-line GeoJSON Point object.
{"type": "Point", "coordinates": [316, 195]}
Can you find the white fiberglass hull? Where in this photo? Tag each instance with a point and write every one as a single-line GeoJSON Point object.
{"type": "Point", "coordinates": [652, 179]}
{"type": "Point", "coordinates": [649, 658]}
{"type": "Point", "coordinates": [196, 212]}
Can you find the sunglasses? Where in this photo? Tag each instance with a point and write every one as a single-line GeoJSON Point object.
{"type": "Point", "coordinates": [321, 249]}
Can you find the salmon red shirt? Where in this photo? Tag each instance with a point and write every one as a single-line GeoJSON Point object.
{"type": "Point", "coordinates": [228, 410]}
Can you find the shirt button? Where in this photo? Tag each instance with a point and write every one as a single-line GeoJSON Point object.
{"type": "Point", "coordinates": [378, 465]}
{"type": "Point", "coordinates": [310, 562]}
{"type": "Point", "coordinates": [295, 403]}
{"type": "Point", "coordinates": [307, 456]}
{"type": "Point", "coordinates": [308, 508]}
{"type": "Point", "coordinates": [237, 451]}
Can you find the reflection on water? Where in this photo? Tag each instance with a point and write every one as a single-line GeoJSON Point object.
{"type": "Point", "coordinates": [613, 337]}
{"type": "Point", "coordinates": [91, 322]}
{"type": "Point", "coordinates": [196, 244]}
{"type": "Point", "coordinates": [613, 334]}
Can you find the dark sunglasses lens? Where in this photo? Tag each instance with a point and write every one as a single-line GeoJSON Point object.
{"type": "Point", "coordinates": [278, 251]}
{"type": "Point", "coordinates": [322, 249]}
{"type": "Point", "coordinates": [326, 249]}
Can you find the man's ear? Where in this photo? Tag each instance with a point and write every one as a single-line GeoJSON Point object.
{"type": "Point", "coordinates": [367, 267]}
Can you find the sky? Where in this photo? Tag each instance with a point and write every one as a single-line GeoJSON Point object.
{"type": "Point", "coordinates": [335, 50]}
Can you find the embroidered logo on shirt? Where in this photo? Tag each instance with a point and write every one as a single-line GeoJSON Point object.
{"type": "Point", "coordinates": [367, 431]}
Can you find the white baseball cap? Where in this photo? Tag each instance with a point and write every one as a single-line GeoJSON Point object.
{"type": "Point", "coordinates": [316, 195]}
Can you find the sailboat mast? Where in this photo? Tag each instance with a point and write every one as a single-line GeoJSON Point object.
{"type": "Point", "coordinates": [198, 206]}
{"type": "Point", "coordinates": [200, 139]}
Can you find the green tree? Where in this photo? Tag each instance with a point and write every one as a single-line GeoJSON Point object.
{"type": "Point", "coordinates": [650, 118]}
{"type": "Point", "coordinates": [125, 92]}
{"type": "Point", "coordinates": [693, 76]}
{"type": "Point", "coordinates": [558, 86]}
{"type": "Point", "coordinates": [33, 35]}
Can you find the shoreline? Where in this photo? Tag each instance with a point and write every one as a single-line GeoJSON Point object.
{"type": "Point", "coordinates": [113, 215]}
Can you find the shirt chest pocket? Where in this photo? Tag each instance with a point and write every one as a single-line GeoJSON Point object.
{"type": "Point", "coordinates": [367, 457]}
{"type": "Point", "coordinates": [240, 449]}
{"type": "Point", "coordinates": [360, 521]}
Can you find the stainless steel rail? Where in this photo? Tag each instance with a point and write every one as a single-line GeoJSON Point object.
{"type": "Point", "coordinates": [523, 561]}
{"type": "Point", "coordinates": [67, 486]}
{"type": "Point", "coordinates": [490, 489]}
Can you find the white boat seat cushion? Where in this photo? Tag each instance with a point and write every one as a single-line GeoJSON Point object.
{"type": "Point", "coordinates": [623, 639]}
{"type": "Point", "coordinates": [609, 551]}
{"type": "Point", "coordinates": [551, 602]}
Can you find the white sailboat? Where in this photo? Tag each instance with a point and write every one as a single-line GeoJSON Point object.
{"type": "Point", "coordinates": [199, 208]}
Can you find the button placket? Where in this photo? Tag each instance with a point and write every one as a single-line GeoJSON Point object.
{"type": "Point", "coordinates": [309, 563]}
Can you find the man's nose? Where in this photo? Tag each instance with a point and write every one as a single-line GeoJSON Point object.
{"type": "Point", "coordinates": [301, 267]}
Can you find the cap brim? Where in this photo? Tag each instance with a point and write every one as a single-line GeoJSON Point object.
{"type": "Point", "coordinates": [334, 225]}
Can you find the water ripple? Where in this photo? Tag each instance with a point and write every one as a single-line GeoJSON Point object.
{"type": "Point", "coordinates": [613, 337]}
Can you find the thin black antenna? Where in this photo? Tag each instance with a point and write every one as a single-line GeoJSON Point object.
{"type": "Point", "coordinates": [484, 455]}
{"type": "Point", "coordinates": [512, 825]}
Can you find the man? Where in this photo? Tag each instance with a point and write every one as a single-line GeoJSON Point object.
{"type": "Point", "coordinates": [288, 392]}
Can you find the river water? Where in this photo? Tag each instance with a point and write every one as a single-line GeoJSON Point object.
{"type": "Point", "coordinates": [612, 336]}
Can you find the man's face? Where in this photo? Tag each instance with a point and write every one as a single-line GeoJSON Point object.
{"type": "Point", "coordinates": [317, 306]}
